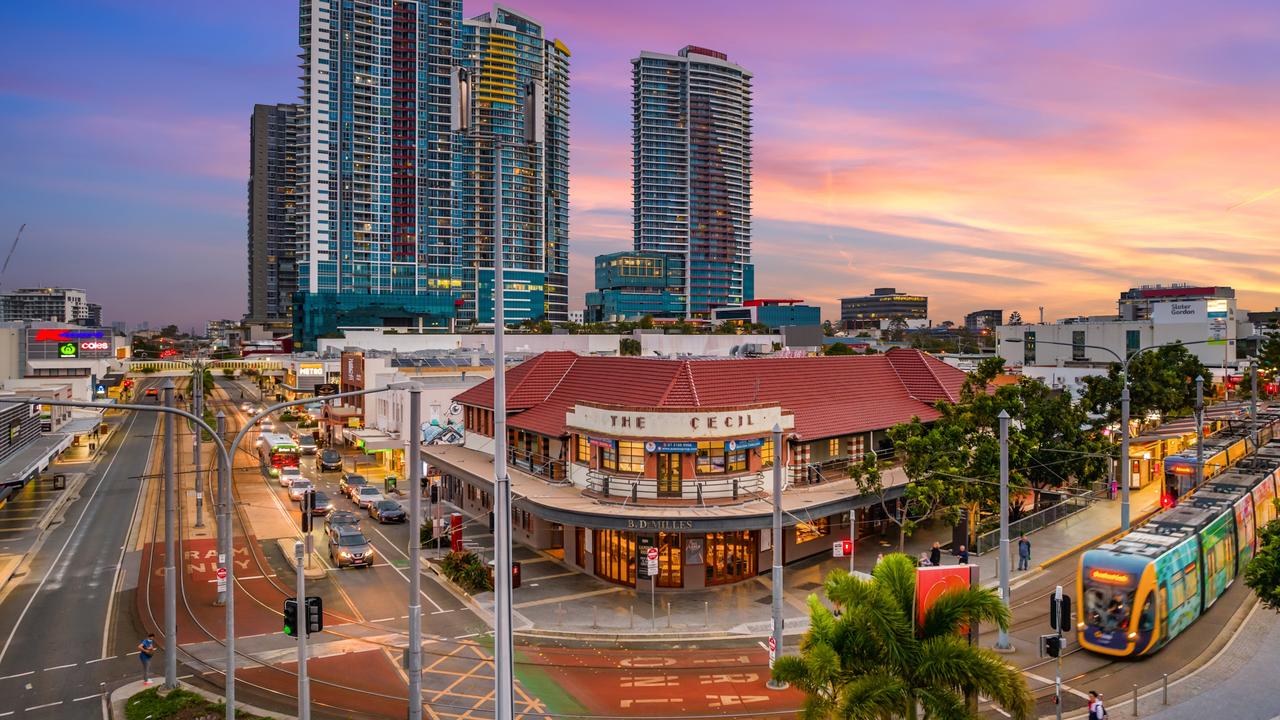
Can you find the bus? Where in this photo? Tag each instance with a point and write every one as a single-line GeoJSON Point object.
{"type": "Point", "coordinates": [277, 451]}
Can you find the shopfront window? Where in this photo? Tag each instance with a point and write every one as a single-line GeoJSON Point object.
{"type": "Point", "coordinates": [609, 458]}
{"type": "Point", "coordinates": [833, 447]}
{"type": "Point", "coordinates": [670, 560]}
{"type": "Point", "coordinates": [711, 457]}
{"type": "Point", "coordinates": [813, 530]}
{"type": "Point", "coordinates": [766, 453]}
{"type": "Point", "coordinates": [630, 457]}
{"type": "Point", "coordinates": [584, 449]}
{"type": "Point", "coordinates": [730, 557]}
{"type": "Point", "coordinates": [615, 554]}
{"type": "Point", "coordinates": [736, 461]}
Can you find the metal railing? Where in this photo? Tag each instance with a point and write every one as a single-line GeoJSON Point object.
{"type": "Point", "coordinates": [1027, 524]}
{"type": "Point", "coordinates": [552, 470]}
{"type": "Point", "coordinates": [698, 490]}
{"type": "Point", "coordinates": [833, 469]}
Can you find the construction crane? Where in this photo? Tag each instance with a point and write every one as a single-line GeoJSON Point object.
{"type": "Point", "coordinates": [9, 257]}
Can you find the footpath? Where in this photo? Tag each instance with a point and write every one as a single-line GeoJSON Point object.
{"type": "Point", "coordinates": [557, 600]}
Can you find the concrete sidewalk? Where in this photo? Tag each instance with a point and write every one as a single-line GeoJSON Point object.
{"type": "Point", "coordinates": [557, 599]}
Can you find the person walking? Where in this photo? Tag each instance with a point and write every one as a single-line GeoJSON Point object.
{"type": "Point", "coordinates": [1024, 553]}
{"type": "Point", "coordinates": [962, 556]}
{"type": "Point", "coordinates": [935, 554]}
{"type": "Point", "coordinates": [1096, 709]}
{"type": "Point", "coordinates": [146, 649]}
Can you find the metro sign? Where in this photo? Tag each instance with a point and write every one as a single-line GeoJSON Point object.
{"type": "Point", "coordinates": [52, 335]}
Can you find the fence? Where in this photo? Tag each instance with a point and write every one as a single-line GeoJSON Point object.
{"type": "Point", "coordinates": [990, 540]}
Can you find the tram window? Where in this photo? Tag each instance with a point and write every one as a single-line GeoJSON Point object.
{"type": "Point", "coordinates": [1147, 621]}
{"type": "Point", "coordinates": [1108, 607]}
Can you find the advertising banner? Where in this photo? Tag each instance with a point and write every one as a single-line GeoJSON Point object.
{"type": "Point", "coordinates": [932, 582]}
{"type": "Point", "coordinates": [671, 447]}
{"type": "Point", "coordinates": [1181, 311]}
{"type": "Point", "coordinates": [735, 445]}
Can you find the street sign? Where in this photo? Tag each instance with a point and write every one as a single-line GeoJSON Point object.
{"type": "Point", "coordinates": [222, 579]}
{"type": "Point", "coordinates": [652, 554]}
{"type": "Point", "coordinates": [222, 573]}
{"type": "Point", "coordinates": [837, 548]}
{"type": "Point", "coordinates": [651, 562]}
{"type": "Point", "coordinates": [773, 651]}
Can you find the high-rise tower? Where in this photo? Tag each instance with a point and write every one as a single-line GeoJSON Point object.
{"type": "Point", "coordinates": [691, 176]}
{"type": "Point", "coordinates": [273, 238]}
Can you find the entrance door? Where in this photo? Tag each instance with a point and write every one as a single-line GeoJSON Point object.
{"type": "Point", "coordinates": [669, 475]}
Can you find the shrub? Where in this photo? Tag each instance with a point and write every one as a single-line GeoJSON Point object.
{"type": "Point", "coordinates": [288, 417]}
{"type": "Point", "coordinates": [466, 570]}
{"type": "Point", "coordinates": [150, 705]}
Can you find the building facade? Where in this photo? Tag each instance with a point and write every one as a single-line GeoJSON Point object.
{"type": "Point", "coordinates": [513, 88]}
{"type": "Point", "coordinates": [1139, 303]}
{"type": "Point", "coordinates": [774, 313]}
{"type": "Point", "coordinates": [691, 172]}
{"type": "Point", "coordinates": [630, 285]}
{"type": "Point", "coordinates": [611, 456]}
{"type": "Point", "coordinates": [883, 304]}
{"type": "Point", "coordinates": [397, 186]}
{"type": "Point", "coordinates": [50, 304]}
{"type": "Point", "coordinates": [273, 228]}
{"type": "Point", "coordinates": [983, 320]}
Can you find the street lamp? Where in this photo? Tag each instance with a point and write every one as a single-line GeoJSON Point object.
{"type": "Point", "coordinates": [1124, 408]}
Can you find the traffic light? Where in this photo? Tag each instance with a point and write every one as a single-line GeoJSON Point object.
{"type": "Point", "coordinates": [1050, 646]}
{"type": "Point", "coordinates": [490, 521]}
{"type": "Point", "coordinates": [308, 504]}
{"type": "Point", "coordinates": [291, 617]}
{"type": "Point", "coordinates": [315, 614]}
{"type": "Point", "coordinates": [1060, 613]}
{"type": "Point", "coordinates": [1166, 501]}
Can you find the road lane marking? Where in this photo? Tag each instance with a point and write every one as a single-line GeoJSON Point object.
{"type": "Point", "coordinates": [61, 667]}
{"type": "Point", "coordinates": [87, 697]}
{"type": "Point", "coordinates": [438, 612]}
{"type": "Point", "coordinates": [46, 705]}
{"type": "Point", "coordinates": [24, 674]}
{"type": "Point", "coordinates": [90, 662]}
{"type": "Point", "coordinates": [401, 573]}
{"type": "Point", "coordinates": [385, 619]}
{"type": "Point", "coordinates": [7, 714]}
{"type": "Point", "coordinates": [73, 534]}
{"type": "Point", "coordinates": [1047, 681]}
{"type": "Point", "coordinates": [115, 582]}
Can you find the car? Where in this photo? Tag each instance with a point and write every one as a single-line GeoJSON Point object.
{"type": "Point", "coordinates": [266, 425]}
{"type": "Point", "coordinates": [298, 487]}
{"type": "Point", "coordinates": [349, 483]}
{"type": "Point", "coordinates": [329, 459]}
{"type": "Point", "coordinates": [387, 511]}
{"type": "Point", "coordinates": [341, 518]}
{"type": "Point", "coordinates": [288, 475]}
{"type": "Point", "coordinates": [246, 407]}
{"type": "Point", "coordinates": [324, 504]}
{"type": "Point", "coordinates": [152, 393]}
{"type": "Point", "coordinates": [366, 496]}
{"type": "Point", "coordinates": [349, 547]}
{"type": "Point", "coordinates": [306, 445]}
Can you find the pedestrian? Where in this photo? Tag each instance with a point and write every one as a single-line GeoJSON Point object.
{"type": "Point", "coordinates": [1097, 711]}
{"type": "Point", "coordinates": [92, 448]}
{"type": "Point", "coordinates": [935, 555]}
{"type": "Point", "coordinates": [924, 560]}
{"type": "Point", "coordinates": [146, 649]}
{"type": "Point", "coordinates": [1024, 553]}
{"type": "Point", "coordinates": [1113, 489]}
{"type": "Point", "coordinates": [879, 557]}
{"type": "Point", "coordinates": [962, 556]}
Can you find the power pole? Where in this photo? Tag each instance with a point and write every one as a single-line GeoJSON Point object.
{"type": "Point", "coordinates": [413, 457]}
{"type": "Point", "coordinates": [775, 639]}
{"type": "Point", "coordinates": [1002, 643]}
{"type": "Point", "coordinates": [170, 551]}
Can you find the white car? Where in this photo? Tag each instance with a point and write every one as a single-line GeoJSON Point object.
{"type": "Point", "coordinates": [288, 475]}
{"type": "Point", "coordinates": [299, 487]}
{"type": "Point", "coordinates": [266, 425]}
{"type": "Point", "coordinates": [366, 496]}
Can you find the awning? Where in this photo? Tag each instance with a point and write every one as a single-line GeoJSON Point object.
{"type": "Point", "coordinates": [24, 464]}
{"type": "Point", "coordinates": [373, 440]}
{"type": "Point", "coordinates": [81, 423]}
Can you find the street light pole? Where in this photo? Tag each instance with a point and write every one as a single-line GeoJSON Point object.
{"type": "Point", "coordinates": [170, 551]}
{"type": "Point", "coordinates": [1125, 462]}
{"type": "Point", "coordinates": [1199, 431]}
{"type": "Point", "coordinates": [1253, 401]}
{"type": "Point", "coordinates": [503, 648]}
{"type": "Point", "coordinates": [227, 560]}
{"type": "Point", "coordinates": [197, 404]}
{"type": "Point", "coordinates": [775, 639]}
{"type": "Point", "coordinates": [1002, 643]}
{"type": "Point", "coordinates": [413, 457]}
{"type": "Point", "coordinates": [304, 683]}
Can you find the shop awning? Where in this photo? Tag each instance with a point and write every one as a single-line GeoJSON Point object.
{"type": "Point", "coordinates": [81, 423]}
{"type": "Point", "coordinates": [373, 440]}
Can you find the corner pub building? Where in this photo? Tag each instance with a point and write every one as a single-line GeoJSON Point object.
{"type": "Point", "coordinates": [610, 456]}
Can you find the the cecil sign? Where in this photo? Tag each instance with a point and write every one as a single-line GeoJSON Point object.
{"type": "Point", "coordinates": [679, 425]}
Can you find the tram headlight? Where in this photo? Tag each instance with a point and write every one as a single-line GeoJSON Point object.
{"type": "Point", "coordinates": [1133, 635]}
{"type": "Point", "coordinates": [1079, 626]}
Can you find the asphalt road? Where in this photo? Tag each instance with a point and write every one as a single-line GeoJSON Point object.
{"type": "Point", "coordinates": [62, 643]}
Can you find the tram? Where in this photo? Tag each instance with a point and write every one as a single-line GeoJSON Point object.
{"type": "Point", "coordinates": [1221, 451]}
{"type": "Point", "coordinates": [1143, 590]}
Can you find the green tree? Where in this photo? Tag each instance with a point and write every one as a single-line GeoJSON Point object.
{"type": "Point", "coordinates": [838, 349]}
{"type": "Point", "coordinates": [827, 329]}
{"type": "Point", "coordinates": [1015, 318]}
{"type": "Point", "coordinates": [169, 331]}
{"type": "Point", "coordinates": [897, 328]}
{"type": "Point", "coordinates": [1269, 352]}
{"type": "Point", "coordinates": [1262, 574]}
{"type": "Point", "coordinates": [875, 663]}
{"type": "Point", "coordinates": [646, 322]}
{"type": "Point", "coordinates": [629, 346]}
{"type": "Point", "coordinates": [1161, 381]}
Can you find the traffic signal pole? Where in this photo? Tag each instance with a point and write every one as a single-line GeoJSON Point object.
{"type": "Point", "coordinates": [170, 551]}
{"type": "Point", "coordinates": [414, 460]}
{"type": "Point", "coordinates": [304, 685]}
{"type": "Point", "coordinates": [1057, 680]}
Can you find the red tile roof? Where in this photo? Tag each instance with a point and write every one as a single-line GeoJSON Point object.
{"type": "Point", "coordinates": [829, 396]}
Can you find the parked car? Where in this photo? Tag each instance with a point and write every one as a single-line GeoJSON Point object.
{"type": "Point", "coordinates": [288, 475]}
{"type": "Point", "coordinates": [341, 518]}
{"type": "Point", "coordinates": [298, 487]}
{"type": "Point", "coordinates": [387, 511]}
{"type": "Point", "coordinates": [324, 504]}
{"type": "Point", "coordinates": [307, 445]}
{"type": "Point", "coordinates": [329, 459]}
{"type": "Point", "coordinates": [366, 496]}
{"type": "Point", "coordinates": [349, 547]}
{"type": "Point", "coordinates": [350, 483]}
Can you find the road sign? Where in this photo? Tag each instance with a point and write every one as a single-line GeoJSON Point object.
{"type": "Point", "coordinates": [651, 567]}
{"type": "Point", "coordinates": [652, 554]}
{"type": "Point", "coordinates": [773, 651]}
{"type": "Point", "coordinates": [837, 548]}
{"type": "Point", "coordinates": [222, 573]}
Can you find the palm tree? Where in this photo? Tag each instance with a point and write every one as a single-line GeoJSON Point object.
{"type": "Point", "coordinates": [874, 663]}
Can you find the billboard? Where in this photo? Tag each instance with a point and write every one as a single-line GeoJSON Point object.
{"type": "Point", "coordinates": [1180, 312]}
{"type": "Point", "coordinates": [1218, 314]}
{"type": "Point", "coordinates": [69, 344]}
{"type": "Point", "coordinates": [932, 582]}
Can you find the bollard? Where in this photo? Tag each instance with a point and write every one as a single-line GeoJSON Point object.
{"type": "Point", "coordinates": [560, 612]}
{"type": "Point", "coordinates": [668, 615]}
{"type": "Point", "coordinates": [595, 616]}
{"type": "Point", "coordinates": [632, 623]}
{"type": "Point", "coordinates": [1135, 699]}
{"type": "Point", "coordinates": [1165, 699]}
{"type": "Point", "coordinates": [706, 614]}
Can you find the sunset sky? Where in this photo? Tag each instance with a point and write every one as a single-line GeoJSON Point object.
{"type": "Point", "coordinates": [987, 154]}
